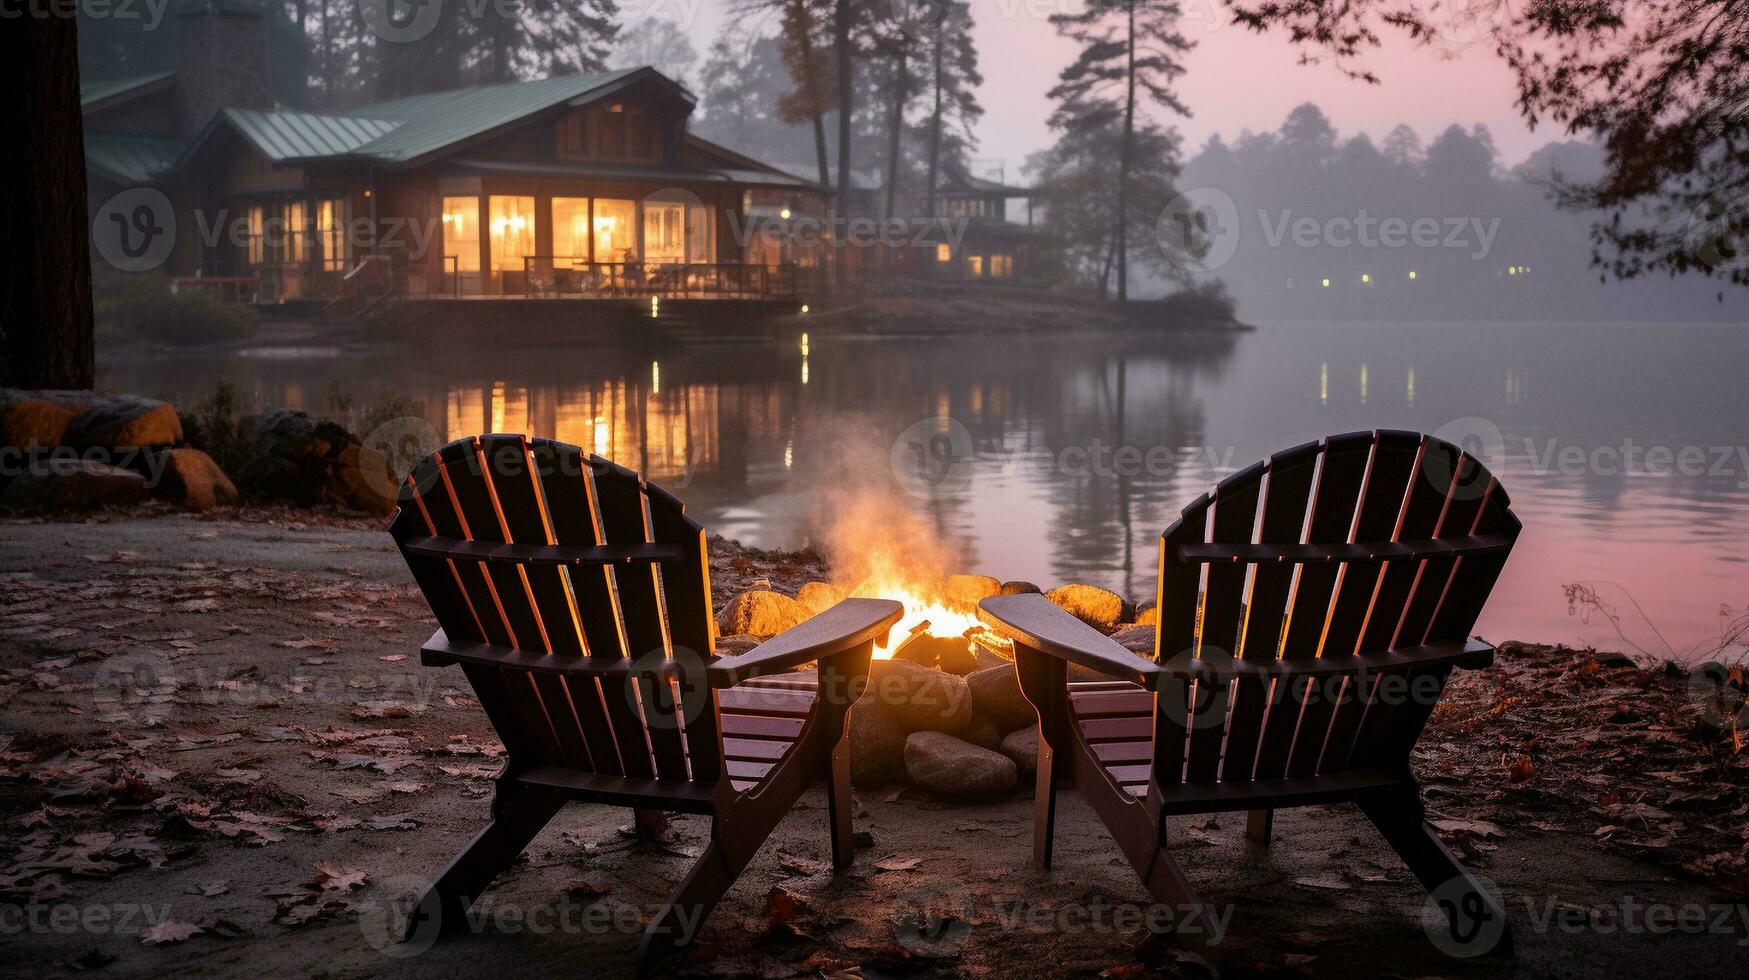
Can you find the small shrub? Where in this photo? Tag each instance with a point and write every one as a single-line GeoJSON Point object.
{"type": "Point", "coordinates": [139, 308]}
{"type": "Point", "coordinates": [212, 426]}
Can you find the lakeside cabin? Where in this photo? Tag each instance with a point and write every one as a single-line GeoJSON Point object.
{"type": "Point", "coordinates": [584, 187]}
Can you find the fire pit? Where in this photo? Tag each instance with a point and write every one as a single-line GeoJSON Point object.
{"type": "Point", "coordinates": [944, 712]}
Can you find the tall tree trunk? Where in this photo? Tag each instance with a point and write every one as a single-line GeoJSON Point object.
{"type": "Point", "coordinates": [935, 127]}
{"type": "Point", "coordinates": [811, 81]}
{"type": "Point", "coordinates": [896, 123]}
{"type": "Point", "coordinates": [846, 107]}
{"type": "Point", "coordinates": [1123, 162]}
{"type": "Point", "coordinates": [45, 296]}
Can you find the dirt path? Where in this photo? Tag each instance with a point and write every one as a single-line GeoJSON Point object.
{"type": "Point", "coordinates": [224, 726]}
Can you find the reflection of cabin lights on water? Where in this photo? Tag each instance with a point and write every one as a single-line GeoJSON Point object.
{"type": "Point", "coordinates": [1411, 273]}
{"type": "Point", "coordinates": [804, 345]}
{"type": "Point", "coordinates": [1324, 382]}
{"type": "Point", "coordinates": [1363, 384]}
{"type": "Point", "coordinates": [1326, 284]}
{"type": "Point", "coordinates": [1365, 277]}
{"type": "Point", "coordinates": [804, 369]}
{"type": "Point", "coordinates": [804, 309]}
{"type": "Point", "coordinates": [1411, 385]}
{"type": "Point", "coordinates": [789, 454]}
{"type": "Point", "coordinates": [655, 377]}
{"type": "Point", "coordinates": [655, 307]}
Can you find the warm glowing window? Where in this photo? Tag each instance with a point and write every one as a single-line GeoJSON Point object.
{"type": "Point", "coordinates": [664, 232]}
{"type": "Point", "coordinates": [943, 252]}
{"type": "Point", "coordinates": [461, 234]}
{"type": "Point", "coordinates": [512, 223]}
{"type": "Point", "coordinates": [570, 230]}
{"type": "Point", "coordinates": [297, 223]}
{"type": "Point", "coordinates": [975, 266]}
{"type": "Point", "coordinates": [616, 231]}
{"type": "Point", "coordinates": [1001, 266]}
{"type": "Point", "coordinates": [701, 234]}
{"type": "Point", "coordinates": [257, 245]}
{"type": "Point", "coordinates": [331, 233]}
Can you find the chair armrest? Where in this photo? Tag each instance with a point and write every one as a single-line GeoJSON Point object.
{"type": "Point", "coordinates": [847, 625]}
{"type": "Point", "coordinates": [1037, 622]}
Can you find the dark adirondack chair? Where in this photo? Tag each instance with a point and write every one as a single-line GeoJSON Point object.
{"type": "Point", "coordinates": [576, 599]}
{"type": "Point", "coordinates": [1311, 609]}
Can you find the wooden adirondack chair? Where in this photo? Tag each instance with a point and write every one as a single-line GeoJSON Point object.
{"type": "Point", "coordinates": [576, 599]}
{"type": "Point", "coordinates": [1343, 578]}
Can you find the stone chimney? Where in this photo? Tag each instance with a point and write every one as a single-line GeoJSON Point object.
{"type": "Point", "coordinates": [221, 61]}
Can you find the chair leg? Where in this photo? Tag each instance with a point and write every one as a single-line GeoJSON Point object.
{"type": "Point", "coordinates": [649, 825]}
{"type": "Point", "coordinates": [1044, 803]}
{"type": "Point", "coordinates": [517, 817]}
{"type": "Point", "coordinates": [1400, 818]}
{"type": "Point", "coordinates": [1198, 931]}
{"type": "Point", "coordinates": [838, 804]}
{"type": "Point", "coordinates": [678, 923]}
{"type": "Point", "coordinates": [1259, 824]}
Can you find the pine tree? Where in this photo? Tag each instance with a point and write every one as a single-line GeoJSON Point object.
{"type": "Point", "coordinates": [1126, 45]}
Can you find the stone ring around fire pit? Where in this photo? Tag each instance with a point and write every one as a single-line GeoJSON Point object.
{"type": "Point", "coordinates": [943, 712]}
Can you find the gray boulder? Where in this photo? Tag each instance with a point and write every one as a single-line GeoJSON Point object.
{"type": "Point", "coordinates": [1136, 639]}
{"type": "Point", "coordinates": [1021, 746]}
{"type": "Point", "coordinates": [918, 698]}
{"type": "Point", "coordinates": [996, 696]}
{"type": "Point", "coordinates": [1097, 607]}
{"type": "Point", "coordinates": [761, 613]}
{"type": "Point", "coordinates": [85, 420]}
{"type": "Point", "coordinates": [72, 484]}
{"type": "Point", "coordinates": [287, 455]}
{"type": "Point", "coordinates": [955, 769]}
{"type": "Point", "coordinates": [192, 479]}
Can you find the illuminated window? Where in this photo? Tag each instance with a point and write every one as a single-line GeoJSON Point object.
{"type": "Point", "coordinates": [616, 231]}
{"type": "Point", "coordinates": [570, 230]}
{"type": "Point", "coordinates": [257, 245]}
{"type": "Point", "coordinates": [701, 234]}
{"type": "Point", "coordinates": [461, 234]}
{"type": "Point", "coordinates": [975, 266]}
{"type": "Point", "coordinates": [512, 224]}
{"type": "Point", "coordinates": [943, 252]}
{"type": "Point", "coordinates": [664, 232]}
{"type": "Point", "coordinates": [331, 233]}
{"type": "Point", "coordinates": [297, 242]}
{"type": "Point", "coordinates": [1001, 266]}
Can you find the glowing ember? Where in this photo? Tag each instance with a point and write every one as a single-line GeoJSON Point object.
{"type": "Point", "coordinates": [924, 611]}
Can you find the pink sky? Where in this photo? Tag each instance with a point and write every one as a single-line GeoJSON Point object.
{"type": "Point", "coordinates": [1235, 80]}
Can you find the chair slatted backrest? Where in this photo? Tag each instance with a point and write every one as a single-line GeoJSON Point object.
{"type": "Point", "coordinates": [1374, 545]}
{"type": "Point", "coordinates": [637, 622]}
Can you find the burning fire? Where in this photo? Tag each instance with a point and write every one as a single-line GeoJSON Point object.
{"type": "Point", "coordinates": [925, 611]}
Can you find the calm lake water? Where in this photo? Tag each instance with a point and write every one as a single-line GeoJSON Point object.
{"type": "Point", "coordinates": [1622, 444]}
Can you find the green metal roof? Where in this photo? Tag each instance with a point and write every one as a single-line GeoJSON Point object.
{"type": "Point", "coordinates": [130, 159]}
{"type": "Point", "coordinates": [639, 172]}
{"type": "Point", "coordinates": [91, 93]}
{"type": "Point", "coordinates": [441, 119]}
{"type": "Point", "coordinates": [281, 135]}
